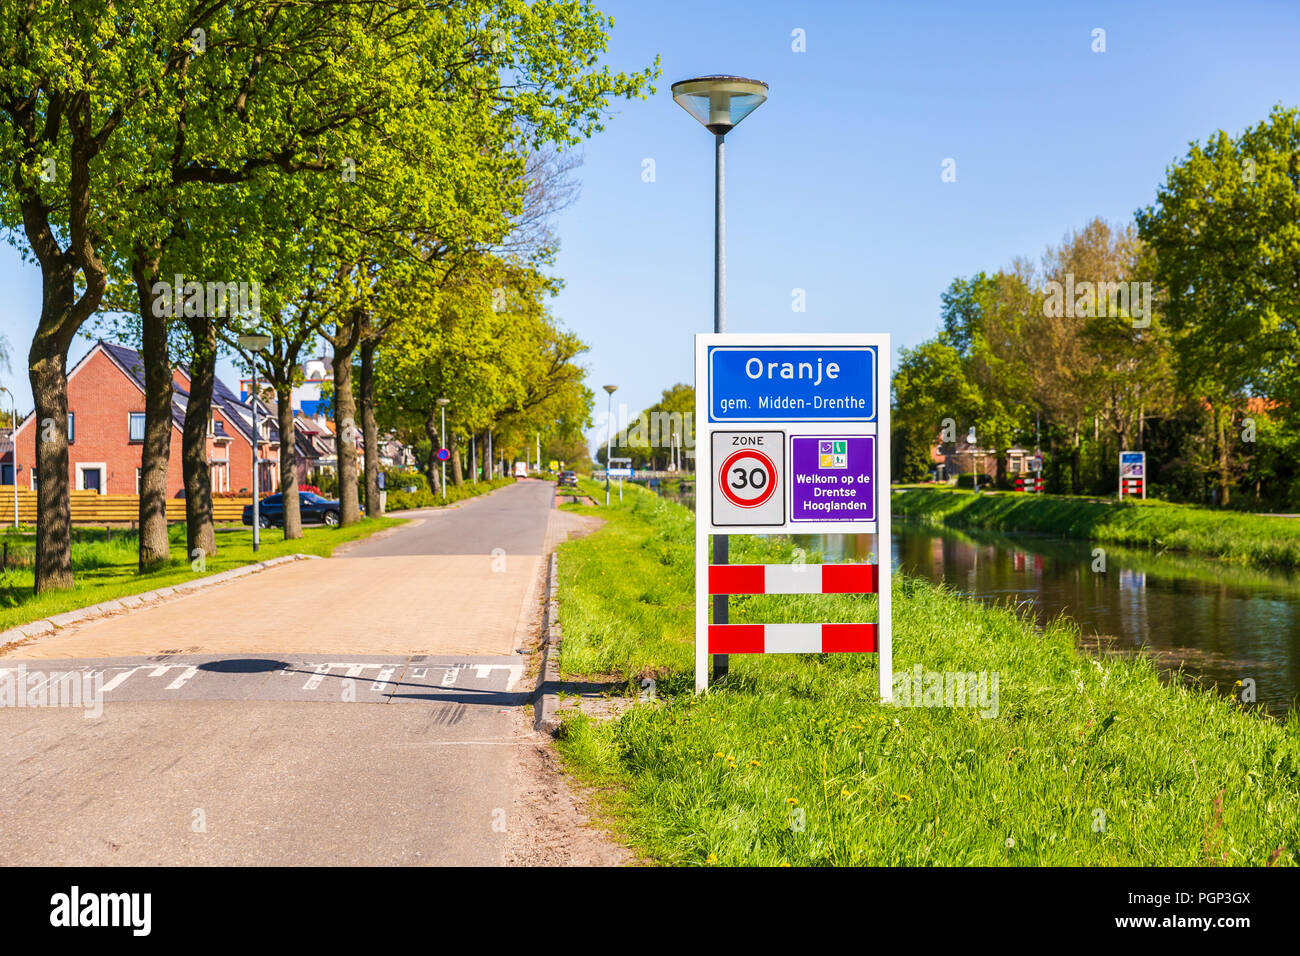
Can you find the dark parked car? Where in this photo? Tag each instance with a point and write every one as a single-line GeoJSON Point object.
{"type": "Point", "coordinates": [314, 509]}
{"type": "Point", "coordinates": [568, 479]}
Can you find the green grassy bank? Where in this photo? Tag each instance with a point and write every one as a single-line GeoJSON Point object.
{"type": "Point", "coordinates": [793, 760]}
{"type": "Point", "coordinates": [106, 565]}
{"type": "Point", "coordinates": [1231, 535]}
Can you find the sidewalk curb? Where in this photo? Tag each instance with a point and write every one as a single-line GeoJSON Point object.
{"type": "Point", "coordinates": [83, 615]}
{"type": "Point", "coordinates": [546, 698]}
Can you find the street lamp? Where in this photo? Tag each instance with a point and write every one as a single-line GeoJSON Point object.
{"type": "Point", "coordinates": [720, 103]}
{"type": "Point", "coordinates": [609, 444]}
{"type": "Point", "coordinates": [13, 433]}
{"type": "Point", "coordinates": [442, 404]}
{"type": "Point", "coordinates": [255, 344]}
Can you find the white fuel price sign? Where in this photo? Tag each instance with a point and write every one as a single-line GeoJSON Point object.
{"type": "Point", "coordinates": [792, 437]}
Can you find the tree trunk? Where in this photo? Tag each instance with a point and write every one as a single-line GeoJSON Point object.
{"type": "Point", "coordinates": [345, 437]}
{"type": "Point", "coordinates": [199, 536]}
{"type": "Point", "coordinates": [1221, 449]}
{"type": "Point", "coordinates": [457, 474]}
{"type": "Point", "coordinates": [369, 430]}
{"type": "Point", "coordinates": [46, 364]}
{"type": "Point", "coordinates": [1075, 462]}
{"type": "Point", "coordinates": [155, 455]}
{"type": "Point", "coordinates": [288, 458]}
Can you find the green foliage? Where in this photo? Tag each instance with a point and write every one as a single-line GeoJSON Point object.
{"type": "Point", "coordinates": [648, 438]}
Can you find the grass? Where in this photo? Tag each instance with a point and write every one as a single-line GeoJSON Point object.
{"type": "Point", "coordinates": [107, 568]}
{"type": "Point", "coordinates": [793, 759]}
{"type": "Point", "coordinates": [1229, 535]}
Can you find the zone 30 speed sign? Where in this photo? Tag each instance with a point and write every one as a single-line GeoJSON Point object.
{"type": "Point", "coordinates": [749, 487]}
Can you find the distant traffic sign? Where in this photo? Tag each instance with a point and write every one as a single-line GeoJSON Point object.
{"type": "Point", "coordinates": [443, 454]}
{"type": "Point", "coordinates": [1132, 473]}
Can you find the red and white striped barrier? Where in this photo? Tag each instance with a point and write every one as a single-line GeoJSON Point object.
{"type": "Point", "coordinates": [791, 638]}
{"type": "Point", "coordinates": [1131, 486]}
{"type": "Point", "coordinates": [1030, 483]}
{"type": "Point", "coordinates": [792, 579]}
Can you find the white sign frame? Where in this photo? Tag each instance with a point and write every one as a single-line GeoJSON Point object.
{"type": "Point", "coordinates": [879, 427]}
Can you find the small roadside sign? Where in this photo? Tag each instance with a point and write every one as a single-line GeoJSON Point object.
{"type": "Point", "coordinates": [443, 454]}
{"type": "Point", "coordinates": [1132, 473]}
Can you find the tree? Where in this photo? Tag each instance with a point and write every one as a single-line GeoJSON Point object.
{"type": "Point", "coordinates": [71, 78]}
{"type": "Point", "coordinates": [932, 384]}
{"type": "Point", "coordinates": [1225, 229]}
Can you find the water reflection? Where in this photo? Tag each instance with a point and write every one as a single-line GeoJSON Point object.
{"type": "Point", "coordinates": [1222, 622]}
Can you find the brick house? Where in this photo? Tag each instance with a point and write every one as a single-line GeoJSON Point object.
{"type": "Point", "coordinates": [106, 430]}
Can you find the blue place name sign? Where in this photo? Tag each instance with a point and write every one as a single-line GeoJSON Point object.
{"type": "Point", "coordinates": [792, 384]}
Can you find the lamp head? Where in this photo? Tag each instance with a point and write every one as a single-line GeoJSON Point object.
{"type": "Point", "coordinates": [720, 102]}
{"type": "Point", "coordinates": [254, 343]}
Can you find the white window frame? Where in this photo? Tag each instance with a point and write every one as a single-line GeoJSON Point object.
{"type": "Point", "coordinates": [129, 417]}
{"type": "Point", "coordinates": [84, 466]}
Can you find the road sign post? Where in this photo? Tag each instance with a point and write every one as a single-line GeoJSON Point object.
{"type": "Point", "coordinates": [793, 438]}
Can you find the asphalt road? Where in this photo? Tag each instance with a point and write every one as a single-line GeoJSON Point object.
{"type": "Point", "coordinates": [278, 756]}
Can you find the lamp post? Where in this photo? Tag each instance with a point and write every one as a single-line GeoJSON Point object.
{"type": "Point", "coordinates": [609, 443]}
{"type": "Point", "coordinates": [442, 405]}
{"type": "Point", "coordinates": [13, 434]}
{"type": "Point", "coordinates": [255, 344]}
{"type": "Point", "coordinates": [719, 103]}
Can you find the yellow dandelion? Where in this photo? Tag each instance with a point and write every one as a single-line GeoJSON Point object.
{"type": "Point", "coordinates": [791, 801]}
{"type": "Point", "coordinates": [755, 763]}
{"type": "Point", "coordinates": [719, 754]}
{"type": "Point", "coordinates": [903, 796]}
{"type": "Point", "coordinates": [783, 863]}
{"type": "Point", "coordinates": [711, 858]}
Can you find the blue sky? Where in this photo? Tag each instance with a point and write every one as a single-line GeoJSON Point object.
{"type": "Point", "coordinates": [834, 185]}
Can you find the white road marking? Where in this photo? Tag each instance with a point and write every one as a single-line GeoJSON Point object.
{"type": "Point", "coordinates": [119, 680]}
{"type": "Point", "coordinates": [185, 675]}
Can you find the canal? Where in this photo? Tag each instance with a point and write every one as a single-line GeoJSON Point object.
{"type": "Point", "coordinates": [1221, 622]}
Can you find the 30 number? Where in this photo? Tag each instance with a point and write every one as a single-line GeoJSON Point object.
{"type": "Point", "coordinates": [755, 478]}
